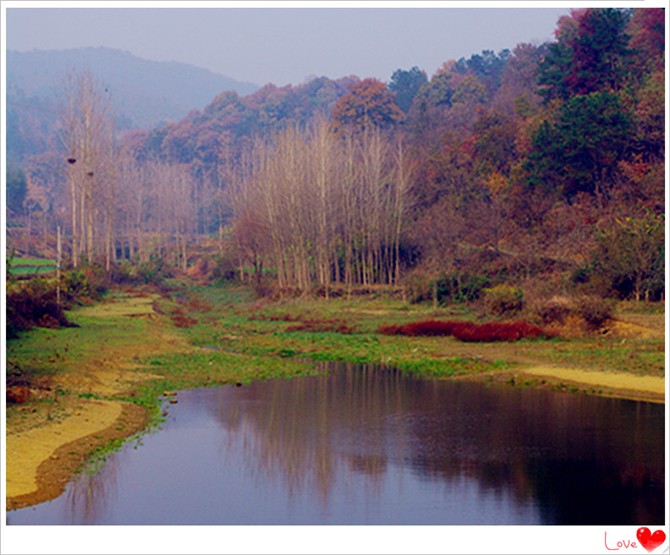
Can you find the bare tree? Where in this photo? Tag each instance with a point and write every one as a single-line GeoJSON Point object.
{"type": "Point", "coordinates": [87, 135]}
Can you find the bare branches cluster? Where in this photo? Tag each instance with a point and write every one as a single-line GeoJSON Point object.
{"type": "Point", "coordinates": [323, 208]}
{"type": "Point", "coordinates": [157, 214]}
{"type": "Point", "coordinates": [120, 207]}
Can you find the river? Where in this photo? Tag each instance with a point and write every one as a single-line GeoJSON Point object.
{"type": "Point", "coordinates": [371, 445]}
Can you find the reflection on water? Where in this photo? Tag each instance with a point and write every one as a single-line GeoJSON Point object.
{"type": "Point", "coordinates": [369, 445]}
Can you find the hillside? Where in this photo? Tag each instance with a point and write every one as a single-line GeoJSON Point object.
{"type": "Point", "coordinates": [143, 93]}
{"type": "Point", "coordinates": [531, 173]}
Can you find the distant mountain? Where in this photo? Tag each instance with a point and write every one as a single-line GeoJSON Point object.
{"type": "Point", "coordinates": [144, 93]}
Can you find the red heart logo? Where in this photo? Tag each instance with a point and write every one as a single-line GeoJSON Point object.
{"type": "Point", "coordinates": [648, 540]}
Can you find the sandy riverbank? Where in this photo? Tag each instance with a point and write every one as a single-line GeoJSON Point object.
{"type": "Point", "coordinates": [41, 461]}
{"type": "Point", "coordinates": [626, 386]}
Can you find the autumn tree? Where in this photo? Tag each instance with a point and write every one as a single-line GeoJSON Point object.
{"type": "Point", "coordinates": [368, 104]}
{"type": "Point", "coordinates": [518, 94]}
{"type": "Point", "coordinates": [487, 67]}
{"type": "Point", "coordinates": [590, 54]}
{"type": "Point", "coordinates": [647, 40]}
{"type": "Point", "coordinates": [593, 133]}
{"type": "Point", "coordinates": [599, 51]}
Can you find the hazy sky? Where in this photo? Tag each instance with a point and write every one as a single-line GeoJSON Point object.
{"type": "Point", "coordinates": [285, 45]}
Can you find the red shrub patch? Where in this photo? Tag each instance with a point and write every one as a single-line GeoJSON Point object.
{"type": "Point", "coordinates": [467, 331]}
{"type": "Point", "coordinates": [498, 331]}
{"type": "Point", "coordinates": [282, 318]}
{"type": "Point", "coordinates": [180, 320]}
{"type": "Point", "coordinates": [33, 305]}
{"type": "Point", "coordinates": [197, 305]}
{"type": "Point", "coordinates": [425, 328]}
{"type": "Point", "coordinates": [391, 330]}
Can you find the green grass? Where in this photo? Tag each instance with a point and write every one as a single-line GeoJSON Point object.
{"type": "Point", "coordinates": [641, 357]}
{"type": "Point", "coordinates": [49, 349]}
{"type": "Point", "coordinates": [237, 324]}
{"type": "Point", "coordinates": [32, 266]}
{"type": "Point", "coordinates": [45, 353]}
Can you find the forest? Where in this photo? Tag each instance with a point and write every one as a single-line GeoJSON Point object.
{"type": "Point", "coordinates": [532, 172]}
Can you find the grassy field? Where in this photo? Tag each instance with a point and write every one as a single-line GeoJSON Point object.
{"type": "Point", "coordinates": [224, 335]}
{"type": "Point", "coordinates": [309, 328]}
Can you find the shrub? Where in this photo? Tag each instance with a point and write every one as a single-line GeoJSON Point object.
{"type": "Point", "coordinates": [80, 285]}
{"type": "Point", "coordinates": [393, 329]}
{"type": "Point", "coordinates": [74, 286]}
{"type": "Point", "coordinates": [17, 394]}
{"type": "Point", "coordinates": [459, 288]}
{"type": "Point", "coordinates": [31, 305]}
{"type": "Point", "coordinates": [315, 326]}
{"type": "Point", "coordinates": [594, 311]}
{"type": "Point", "coordinates": [153, 270]}
{"type": "Point", "coordinates": [181, 320]}
{"type": "Point", "coordinates": [418, 286]}
{"type": "Point", "coordinates": [503, 300]}
{"type": "Point", "coordinates": [498, 331]}
{"type": "Point", "coordinates": [281, 318]}
{"type": "Point", "coordinates": [629, 257]}
{"type": "Point", "coordinates": [554, 310]}
{"type": "Point", "coordinates": [581, 275]}
{"type": "Point", "coordinates": [224, 270]}
{"type": "Point", "coordinates": [455, 287]}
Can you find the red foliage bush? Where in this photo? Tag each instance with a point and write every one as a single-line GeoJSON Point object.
{"type": "Point", "coordinates": [391, 330]}
{"type": "Point", "coordinates": [425, 328]}
{"type": "Point", "coordinates": [467, 331]}
{"type": "Point", "coordinates": [17, 394]}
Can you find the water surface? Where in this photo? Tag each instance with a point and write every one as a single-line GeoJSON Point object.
{"type": "Point", "coordinates": [369, 445]}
